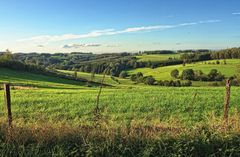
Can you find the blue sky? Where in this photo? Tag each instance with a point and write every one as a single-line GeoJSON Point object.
{"type": "Point", "coordinates": [118, 25]}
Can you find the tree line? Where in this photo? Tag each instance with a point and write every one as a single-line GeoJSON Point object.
{"type": "Point", "coordinates": [150, 80]}
{"type": "Point", "coordinates": [114, 63]}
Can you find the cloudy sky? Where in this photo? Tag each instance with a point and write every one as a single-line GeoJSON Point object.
{"type": "Point", "coordinates": [103, 26]}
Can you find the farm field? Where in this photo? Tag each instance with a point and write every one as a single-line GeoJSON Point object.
{"type": "Point", "coordinates": [57, 99]}
{"type": "Point", "coordinates": [98, 78]}
{"type": "Point", "coordinates": [157, 57]}
{"type": "Point", "coordinates": [163, 73]}
{"type": "Point", "coordinates": [58, 118]}
{"type": "Point", "coordinates": [22, 78]}
{"type": "Point", "coordinates": [143, 105]}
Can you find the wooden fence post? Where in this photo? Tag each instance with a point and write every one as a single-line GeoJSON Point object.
{"type": "Point", "coordinates": [7, 97]}
{"type": "Point", "coordinates": [227, 101]}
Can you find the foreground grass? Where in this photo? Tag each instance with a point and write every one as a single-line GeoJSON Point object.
{"type": "Point", "coordinates": [100, 139]}
{"type": "Point", "coordinates": [140, 104]}
{"type": "Point", "coordinates": [132, 121]}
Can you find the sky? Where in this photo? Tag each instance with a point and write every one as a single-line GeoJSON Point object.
{"type": "Point", "coordinates": [103, 26]}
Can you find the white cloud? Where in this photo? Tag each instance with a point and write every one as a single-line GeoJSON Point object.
{"type": "Point", "coordinates": [69, 46]}
{"type": "Point", "coordinates": [108, 32]}
{"type": "Point", "coordinates": [237, 13]}
{"type": "Point", "coordinates": [113, 45]}
{"type": "Point", "coordinates": [209, 21]}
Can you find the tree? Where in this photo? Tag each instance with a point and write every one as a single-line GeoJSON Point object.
{"type": "Point", "coordinates": [214, 75]}
{"type": "Point", "coordinates": [123, 74]}
{"type": "Point", "coordinates": [139, 74]}
{"type": "Point", "coordinates": [75, 74]}
{"type": "Point", "coordinates": [133, 77]}
{"type": "Point", "coordinates": [149, 80]}
{"type": "Point", "coordinates": [6, 56]}
{"type": "Point", "coordinates": [224, 61]}
{"type": "Point", "coordinates": [175, 73]}
{"type": "Point", "coordinates": [188, 74]}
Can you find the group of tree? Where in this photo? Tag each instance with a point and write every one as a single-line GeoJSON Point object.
{"type": "Point", "coordinates": [198, 75]}
{"type": "Point", "coordinates": [176, 83]}
{"type": "Point", "coordinates": [7, 60]}
{"type": "Point", "coordinates": [188, 57]}
{"type": "Point", "coordinates": [150, 80]}
{"type": "Point", "coordinates": [139, 78]}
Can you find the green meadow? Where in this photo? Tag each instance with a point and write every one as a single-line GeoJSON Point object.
{"type": "Point", "coordinates": [164, 73]}
{"type": "Point", "coordinates": [157, 57]}
{"type": "Point", "coordinates": [61, 117]}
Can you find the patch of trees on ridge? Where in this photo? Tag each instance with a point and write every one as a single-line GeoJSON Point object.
{"type": "Point", "coordinates": [213, 76]}
{"type": "Point", "coordinates": [149, 80]}
{"type": "Point", "coordinates": [198, 75]}
{"type": "Point", "coordinates": [7, 61]}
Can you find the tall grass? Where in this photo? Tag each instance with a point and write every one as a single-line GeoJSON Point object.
{"type": "Point", "coordinates": [58, 139]}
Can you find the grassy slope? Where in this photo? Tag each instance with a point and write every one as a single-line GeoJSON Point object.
{"type": "Point", "coordinates": [160, 57]}
{"type": "Point", "coordinates": [98, 78]}
{"type": "Point", "coordinates": [142, 105]}
{"type": "Point", "coordinates": [122, 109]}
{"type": "Point", "coordinates": [138, 103]}
{"type": "Point", "coordinates": [163, 73]}
{"type": "Point", "coordinates": [36, 80]}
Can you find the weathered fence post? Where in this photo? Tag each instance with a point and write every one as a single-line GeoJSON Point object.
{"type": "Point", "coordinates": [227, 101]}
{"type": "Point", "coordinates": [7, 97]}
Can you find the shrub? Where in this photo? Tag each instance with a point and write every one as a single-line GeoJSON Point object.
{"type": "Point", "coordinates": [149, 80]}
{"type": "Point", "coordinates": [133, 77]}
{"type": "Point", "coordinates": [214, 75]}
{"type": "Point", "coordinates": [175, 73]}
{"type": "Point", "coordinates": [188, 74]}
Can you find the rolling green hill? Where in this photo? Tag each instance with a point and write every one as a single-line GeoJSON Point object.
{"type": "Point", "coordinates": [163, 73]}
{"type": "Point", "coordinates": [22, 78]}
{"type": "Point", "coordinates": [98, 78]}
{"type": "Point", "coordinates": [157, 57]}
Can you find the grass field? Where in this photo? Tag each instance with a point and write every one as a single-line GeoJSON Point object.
{"type": "Point", "coordinates": [63, 100]}
{"type": "Point", "coordinates": [149, 105]}
{"type": "Point", "coordinates": [157, 57]}
{"type": "Point", "coordinates": [58, 118]}
{"type": "Point", "coordinates": [163, 73]}
{"type": "Point", "coordinates": [37, 80]}
{"type": "Point", "coordinates": [98, 78]}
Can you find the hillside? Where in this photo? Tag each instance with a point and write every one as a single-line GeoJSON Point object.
{"type": "Point", "coordinates": [98, 78]}
{"type": "Point", "coordinates": [157, 57]}
{"type": "Point", "coordinates": [163, 73]}
{"type": "Point", "coordinates": [37, 80]}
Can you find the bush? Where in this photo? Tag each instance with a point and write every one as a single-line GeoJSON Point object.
{"type": "Point", "coordinates": [198, 75]}
{"type": "Point", "coordinates": [214, 75]}
{"type": "Point", "coordinates": [149, 80]}
{"type": "Point", "coordinates": [174, 83]}
{"type": "Point", "coordinates": [133, 77]}
{"type": "Point", "coordinates": [188, 74]}
{"type": "Point", "coordinates": [175, 73]}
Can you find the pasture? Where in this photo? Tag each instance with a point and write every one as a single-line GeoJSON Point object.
{"type": "Point", "coordinates": [164, 73]}
{"type": "Point", "coordinates": [59, 117]}
{"type": "Point", "coordinates": [157, 57]}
